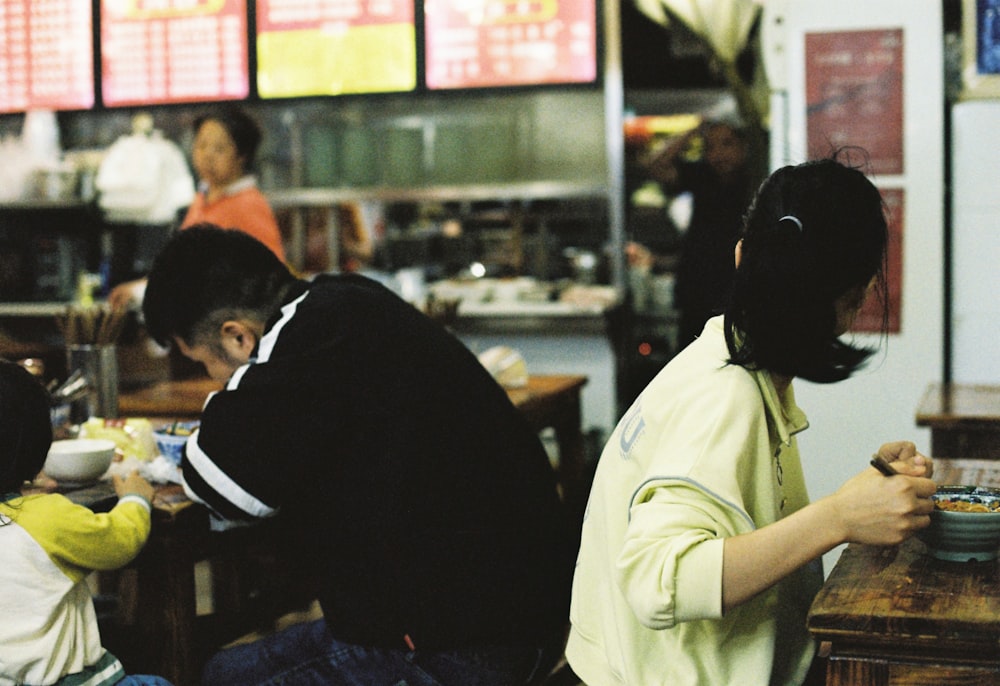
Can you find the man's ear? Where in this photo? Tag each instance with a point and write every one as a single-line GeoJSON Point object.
{"type": "Point", "coordinates": [738, 252]}
{"type": "Point", "coordinates": [238, 338]}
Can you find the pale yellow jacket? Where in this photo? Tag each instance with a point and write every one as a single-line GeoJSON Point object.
{"type": "Point", "coordinates": [707, 451]}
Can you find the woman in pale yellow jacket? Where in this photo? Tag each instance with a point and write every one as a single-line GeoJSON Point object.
{"type": "Point", "coordinates": [700, 552]}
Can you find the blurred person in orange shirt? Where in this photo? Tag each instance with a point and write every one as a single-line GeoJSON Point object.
{"type": "Point", "coordinates": [223, 153]}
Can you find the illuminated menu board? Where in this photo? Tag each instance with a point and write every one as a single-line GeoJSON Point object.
{"type": "Point", "coordinates": [333, 47]}
{"type": "Point", "coordinates": [46, 55]}
{"type": "Point", "coordinates": [170, 51]}
{"type": "Point", "coordinates": [484, 43]}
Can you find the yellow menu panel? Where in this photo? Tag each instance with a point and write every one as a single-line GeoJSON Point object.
{"type": "Point", "coordinates": [309, 47]}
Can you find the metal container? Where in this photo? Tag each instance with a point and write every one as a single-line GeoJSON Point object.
{"type": "Point", "coordinates": [99, 366]}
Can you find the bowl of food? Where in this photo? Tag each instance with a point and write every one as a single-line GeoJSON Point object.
{"type": "Point", "coordinates": [78, 461]}
{"type": "Point", "coordinates": [171, 439]}
{"type": "Point", "coordinates": [965, 524]}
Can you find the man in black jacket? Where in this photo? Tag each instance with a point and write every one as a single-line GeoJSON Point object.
{"type": "Point", "coordinates": [424, 501]}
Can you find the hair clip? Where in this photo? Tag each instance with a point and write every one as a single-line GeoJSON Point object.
{"type": "Point", "coordinates": [791, 217]}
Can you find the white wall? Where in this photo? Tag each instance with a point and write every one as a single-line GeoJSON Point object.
{"type": "Point", "coordinates": [976, 242]}
{"type": "Point", "coordinates": [849, 420]}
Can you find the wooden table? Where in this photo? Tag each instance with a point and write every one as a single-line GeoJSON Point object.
{"type": "Point", "coordinates": [894, 615]}
{"type": "Point", "coordinates": [165, 568]}
{"type": "Point", "coordinates": [183, 399]}
{"type": "Point", "coordinates": [554, 402]}
{"type": "Point", "coordinates": [964, 419]}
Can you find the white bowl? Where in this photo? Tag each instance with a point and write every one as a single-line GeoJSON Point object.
{"type": "Point", "coordinates": [79, 461]}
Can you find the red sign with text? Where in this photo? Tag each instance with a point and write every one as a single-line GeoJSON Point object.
{"type": "Point", "coordinates": [46, 55]}
{"type": "Point", "coordinates": [172, 51]}
{"type": "Point", "coordinates": [493, 43]}
{"type": "Point", "coordinates": [854, 95]}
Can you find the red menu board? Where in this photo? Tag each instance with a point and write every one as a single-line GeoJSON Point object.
{"type": "Point", "coordinates": [157, 52]}
{"type": "Point", "coordinates": [332, 47]}
{"type": "Point", "coordinates": [484, 43]}
{"type": "Point", "coordinates": [854, 95]}
{"type": "Point", "coordinates": [46, 55]}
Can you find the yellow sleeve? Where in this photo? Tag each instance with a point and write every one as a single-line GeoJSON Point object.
{"type": "Point", "coordinates": [79, 540]}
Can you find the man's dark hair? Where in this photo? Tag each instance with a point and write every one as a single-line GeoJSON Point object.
{"type": "Point", "coordinates": [206, 275]}
{"type": "Point", "coordinates": [25, 426]}
{"type": "Point", "coordinates": [781, 316]}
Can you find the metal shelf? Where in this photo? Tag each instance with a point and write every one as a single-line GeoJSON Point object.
{"type": "Point", "coordinates": [527, 191]}
{"type": "Point", "coordinates": [32, 309]}
{"type": "Point", "coordinates": [43, 204]}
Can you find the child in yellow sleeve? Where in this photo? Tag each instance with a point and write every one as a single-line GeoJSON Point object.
{"type": "Point", "coordinates": [48, 546]}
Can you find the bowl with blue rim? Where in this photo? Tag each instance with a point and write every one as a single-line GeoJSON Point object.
{"type": "Point", "coordinates": [965, 524]}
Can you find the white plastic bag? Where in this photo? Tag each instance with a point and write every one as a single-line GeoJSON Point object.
{"type": "Point", "coordinates": [144, 179]}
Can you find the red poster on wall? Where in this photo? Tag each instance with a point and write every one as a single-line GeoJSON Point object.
{"type": "Point", "coordinates": [156, 52]}
{"type": "Point", "coordinates": [46, 55]}
{"type": "Point", "coordinates": [869, 319]}
{"type": "Point", "coordinates": [854, 95]}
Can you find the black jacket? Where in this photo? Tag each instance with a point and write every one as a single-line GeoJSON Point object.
{"type": "Point", "coordinates": [425, 501]}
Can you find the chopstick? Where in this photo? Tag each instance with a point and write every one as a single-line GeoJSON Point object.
{"type": "Point", "coordinates": [880, 463]}
{"type": "Point", "coordinates": [93, 325]}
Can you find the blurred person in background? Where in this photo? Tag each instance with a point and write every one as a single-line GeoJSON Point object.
{"type": "Point", "coordinates": [223, 154]}
{"type": "Point", "coordinates": [721, 186]}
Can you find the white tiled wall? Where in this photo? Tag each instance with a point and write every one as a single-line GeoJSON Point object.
{"type": "Point", "coordinates": [976, 242]}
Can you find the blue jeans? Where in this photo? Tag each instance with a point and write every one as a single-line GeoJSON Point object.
{"type": "Point", "coordinates": [143, 680]}
{"type": "Point", "coordinates": [305, 655]}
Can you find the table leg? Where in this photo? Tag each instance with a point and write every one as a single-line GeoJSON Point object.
{"type": "Point", "coordinates": [849, 672]}
{"type": "Point", "coordinates": [572, 457]}
{"type": "Point", "coordinates": [166, 604]}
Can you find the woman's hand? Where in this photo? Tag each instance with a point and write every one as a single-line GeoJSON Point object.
{"type": "Point", "coordinates": [886, 510]}
{"type": "Point", "coordinates": [869, 508]}
{"type": "Point", "coordinates": [904, 458]}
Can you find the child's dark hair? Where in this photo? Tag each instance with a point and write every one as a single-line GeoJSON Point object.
{"type": "Point", "coordinates": [25, 426]}
{"type": "Point", "coordinates": [242, 128]}
{"type": "Point", "coordinates": [814, 233]}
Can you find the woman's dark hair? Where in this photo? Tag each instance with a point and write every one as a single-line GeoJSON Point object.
{"type": "Point", "coordinates": [782, 316]}
{"type": "Point", "coordinates": [25, 426]}
{"type": "Point", "coordinates": [206, 275]}
{"type": "Point", "coordinates": [244, 131]}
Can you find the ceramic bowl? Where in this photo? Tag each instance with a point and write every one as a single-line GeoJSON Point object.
{"type": "Point", "coordinates": [961, 536]}
{"type": "Point", "coordinates": [171, 439]}
{"type": "Point", "coordinates": [78, 461]}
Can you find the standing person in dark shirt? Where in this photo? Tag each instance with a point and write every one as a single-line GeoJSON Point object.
{"type": "Point", "coordinates": [423, 499]}
{"type": "Point", "coordinates": [721, 187]}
